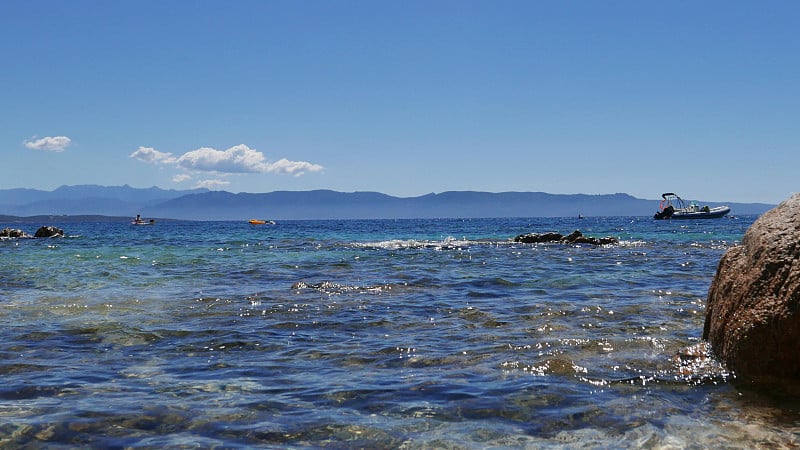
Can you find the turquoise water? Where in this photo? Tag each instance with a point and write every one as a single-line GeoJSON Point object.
{"type": "Point", "coordinates": [377, 334]}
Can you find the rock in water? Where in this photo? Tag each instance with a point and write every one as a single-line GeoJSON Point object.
{"type": "Point", "coordinates": [576, 237]}
{"type": "Point", "coordinates": [537, 238]}
{"type": "Point", "coordinates": [49, 231]}
{"type": "Point", "coordinates": [753, 312]}
{"type": "Point", "coordinates": [12, 233]}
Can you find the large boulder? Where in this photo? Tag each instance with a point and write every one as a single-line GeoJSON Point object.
{"type": "Point", "coordinates": [753, 308]}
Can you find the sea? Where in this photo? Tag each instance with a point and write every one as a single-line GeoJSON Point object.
{"type": "Point", "coordinates": [408, 334]}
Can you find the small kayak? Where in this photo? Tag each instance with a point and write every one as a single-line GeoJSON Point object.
{"type": "Point", "coordinates": [260, 222]}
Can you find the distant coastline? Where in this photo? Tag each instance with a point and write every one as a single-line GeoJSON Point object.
{"type": "Point", "coordinates": [61, 218]}
{"type": "Point", "coordinates": [121, 203]}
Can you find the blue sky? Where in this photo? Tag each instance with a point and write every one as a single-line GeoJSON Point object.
{"type": "Point", "coordinates": [406, 98]}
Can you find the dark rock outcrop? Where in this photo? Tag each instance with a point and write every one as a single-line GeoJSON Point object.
{"type": "Point", "coordinates": [753, 311]}
{"type": "Point", "coordinates": [576, 237]}
{"type": "Point", "coordinates": [13, 233]}
{"type": "Point", "coordinates": [49, 231]}
{"type": "Point", "coordinates": [536, 238]}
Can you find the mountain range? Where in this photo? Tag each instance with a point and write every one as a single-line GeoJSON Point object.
{"type": "Point", "coordinates": [202, 204]}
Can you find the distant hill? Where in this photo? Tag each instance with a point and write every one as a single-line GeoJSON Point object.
{"type": "Point", "coordinates": [85, 200]}
{"type": "Point", "coordinates": [324, 204]}
{"type": "Point", "coordinates": [50, 219]}
{"type": "Point", "coordinates": [202, 204]}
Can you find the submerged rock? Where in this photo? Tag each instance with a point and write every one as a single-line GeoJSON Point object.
{"type": "Point", "coordinates": [49, 231]}
{"type": "Point", "coordinates": [576, 237]}
{"type": "Point", "coordinates": [753, 311]}
{"type": "Point", "coordinates": [336, 288]}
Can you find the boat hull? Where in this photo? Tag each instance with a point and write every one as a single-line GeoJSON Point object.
{"type": "Point", "coordinates": [713, 213]}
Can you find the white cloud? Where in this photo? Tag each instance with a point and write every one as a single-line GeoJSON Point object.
{"type": "Point", "coordinates": [212, 184]}
{"type": "Point", "coordinates": [181, 177]}
{"type": "Point", "coordinates": [49, 143]}
{"type": "Point", "coordinates": [152, 156]}
{"type": "Point", "coordinates": [295, 168]}
{"type": "Point", "coordinates": [237, 159]}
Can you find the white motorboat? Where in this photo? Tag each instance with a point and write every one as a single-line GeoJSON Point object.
{"type": "Point", "coordinates": [673, 207]}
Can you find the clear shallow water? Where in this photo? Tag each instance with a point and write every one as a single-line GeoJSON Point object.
{"type": "Point", "coordinates": [404, 334]}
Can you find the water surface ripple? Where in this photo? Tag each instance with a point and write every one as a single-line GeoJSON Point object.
{"type": "Point", "coordinates": [379, 334]}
